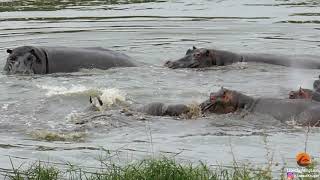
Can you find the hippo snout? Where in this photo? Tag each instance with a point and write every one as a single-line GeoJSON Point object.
{"type": "Point", "coordinates": [291, 95]}
{"type": "Point", "coordinates": [167, 63]}
{"type": "Point", "coordinates": [170, 64]}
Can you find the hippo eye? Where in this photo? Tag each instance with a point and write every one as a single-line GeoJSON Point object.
{"type": "Point", "coordinates": [225, 94]}
{"type": "Point", "coordinates": [207, 53]}
{"type": "Point", "coordinates": [29, 59]}
{"type": "Point", "coordinates": [197, 55]}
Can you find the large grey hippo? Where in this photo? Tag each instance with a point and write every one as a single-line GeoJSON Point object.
{"type": "Point", "coordinates": [304, 112]}
{"type": "Point", "coordinates": [203, 57]}
{"type": "Point", "coordinates": [45, 60]}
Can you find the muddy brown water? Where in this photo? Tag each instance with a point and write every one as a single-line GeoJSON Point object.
{"type": "Point", "coordinates": [153, 32]}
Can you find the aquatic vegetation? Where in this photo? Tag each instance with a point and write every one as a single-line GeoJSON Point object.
{"type": "Point", "coordinates": [194, 111]}
{"type": "Point", "coordinates": [44, 135]}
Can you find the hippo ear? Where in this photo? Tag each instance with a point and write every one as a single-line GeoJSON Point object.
{"type": "Point", "coordinates": [207, 52]}
{"type": "Point", "coordinates": [100, 101]}
{"type": "Point", "coordinates": [194, 48]}
{"type": "Point", "coordinates": [90, 99]}
{"type": "Point", "coordinates": [9, 51]}
{"type": "Point", "coordinates": [36, 53]}
{"type": "Point", "coordinates": [188, 51]}
{"type": "Point", "coordinates": [41, 63]}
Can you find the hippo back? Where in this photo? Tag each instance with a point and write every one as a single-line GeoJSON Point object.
{"type": "Point", "coordinates": [309, 117]}
{"type": "Point", "coordinates": [155, 109]}
{"type": "Point", "coordinates": [65, 59]}
{"type": "Point", "coordinates": [283, 109]}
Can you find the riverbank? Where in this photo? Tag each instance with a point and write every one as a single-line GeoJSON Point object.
{"type": "Point", "coordinates": [152, 169]}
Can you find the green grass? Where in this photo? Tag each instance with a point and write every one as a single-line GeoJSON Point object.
{"type": "Point", "coordinates": [149, 169]}
{"type": "Point", "coordinates": [36, 171]}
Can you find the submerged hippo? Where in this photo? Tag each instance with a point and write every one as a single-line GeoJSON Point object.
{"type": "Point", "coordinates": [307, 93]}
{"type": "Point", "coordinates": [161, 109]}
{"type": "Point", "coordinates": [304, 112]}
{"type": "Point", "coordinates": [203, 57]}
{"type": "Point", "coordinates": [45, 60]}
{"type": "Point", "coordinates": [301, 94]}
{"type": "Point", "coordinates": [155, 109]}
{"type": "Point", "coordinates": [316, 84]}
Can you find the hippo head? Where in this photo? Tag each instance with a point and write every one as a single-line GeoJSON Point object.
{"type": "Point", "coordinates": [25, 60]}
{"type": "Point", "coordinates": [316, 85]}
{"type": "Point", "coordinates": [222, 102]}
{"type": "Point", "coordinates": [194, 58]}
{"type": "Point", "coordinates": [301, 94]}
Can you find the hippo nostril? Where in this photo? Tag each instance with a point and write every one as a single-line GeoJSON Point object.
{"type": "Point", "coordinates": [212, 98]}
{"type": "Point", "coordinates": [167, 62]}
{"type": "Point", "coordinates": [196, 55]}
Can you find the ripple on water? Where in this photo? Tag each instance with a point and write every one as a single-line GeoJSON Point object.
{"type": "Point", "coordinates": [152, 32]}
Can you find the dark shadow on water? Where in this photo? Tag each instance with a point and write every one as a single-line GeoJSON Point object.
{"type": "Point", "coordinates": [305, 14]}
{"type": "Point", "coordinates": [53, 5]}
{"type": "Point", "coordinates": [301, 22]}
{"type": "Point", "coordinates": [305, 3]}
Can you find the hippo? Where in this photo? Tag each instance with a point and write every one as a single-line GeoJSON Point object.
{"type": "Point", "coordinates": [301, 94]}
{"type": "Point", "coordinates": [304, 112]}
{"type": "Point", "coordinates": [307, 93]}
{"type": "Point", "coordinates": [203, 57]}
{"type": "Point", "coordinates": [316, 84]}
{"type": "Point", "coordinates": [45, 60]}
{"type": "Point", "coordinates": [154, 109]}
{"type": "Point", "coordinates": [162, 109]}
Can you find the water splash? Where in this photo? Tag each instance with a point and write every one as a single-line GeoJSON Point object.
{"type": "Point", "coordinates": [112, 96]}
{"type": "Point", "coordinates": [62, 90]}
{"type": "Point", "coordinates": [74, 116]}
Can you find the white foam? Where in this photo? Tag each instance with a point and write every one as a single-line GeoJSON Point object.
{"type": "Point", "coordinates": [73, 116]}
{"type": "Point", "coordinates": [62, 90]}
{"type": "Point", "coordinates": [5, 106]}
{"type": "Point", "coordinates": [111, 96]}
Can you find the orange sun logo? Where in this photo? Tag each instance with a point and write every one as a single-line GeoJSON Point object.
{"type": "Point", "coordinates": [303, 159]}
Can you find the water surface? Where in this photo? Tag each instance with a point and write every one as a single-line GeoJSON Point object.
{"type": "Point", "coordinates": [153, 32]}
